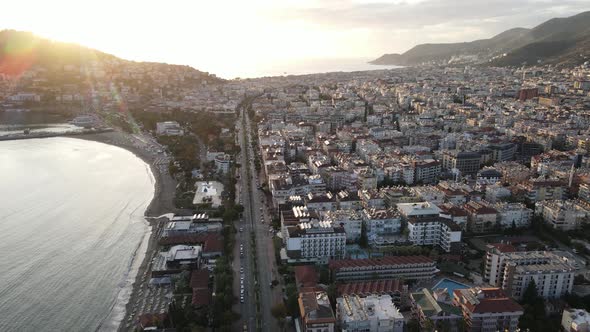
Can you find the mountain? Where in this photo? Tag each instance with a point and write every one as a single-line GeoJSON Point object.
{"type": "Point", "coordinates": [557, 41]}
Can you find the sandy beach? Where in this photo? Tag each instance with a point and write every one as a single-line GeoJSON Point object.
{"type": "Point", "coordinates": [162, 203]}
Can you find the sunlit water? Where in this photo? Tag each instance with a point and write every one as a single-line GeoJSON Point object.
{"type": "Point", "coordinates": [71, 221]}
{"type": "Point", "coordinates": [301, 67]}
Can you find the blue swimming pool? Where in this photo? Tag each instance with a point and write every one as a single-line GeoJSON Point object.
{"type": "Point", "coordinates": [450, 285]}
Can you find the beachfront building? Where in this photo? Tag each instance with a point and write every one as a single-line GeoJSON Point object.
{"type": "Point", "coordinates": [374, 313]}
{"type": "Point", "coordinates": [388, 267]}
{"type": "Point", "coordinates": [487, 309]}
{"type": "Point", "coordinates": [208, 192]}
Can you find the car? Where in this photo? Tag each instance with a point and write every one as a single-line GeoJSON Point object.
{"type": "Point", "coordinates": [241, 229]}
{"type": "Point", "coordinates": [242, 301]}
{"type": "Point", "coordinates": [242, 277]}
{"type": "Point", "coordinates": [242, 269]}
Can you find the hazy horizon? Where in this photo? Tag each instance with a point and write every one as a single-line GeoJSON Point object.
{"type": "Point", "coordinates": [211, 36]}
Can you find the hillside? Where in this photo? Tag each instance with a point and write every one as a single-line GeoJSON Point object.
{"type": "Point", "coordinates": [40, 74]}
{"type": "Point", "coordinates": [558, 41]}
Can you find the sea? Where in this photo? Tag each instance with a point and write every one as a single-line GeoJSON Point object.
{"type": "Point", "coordinates": [295, 67]}
{"type": "Point", "coordinates": [72, 233]}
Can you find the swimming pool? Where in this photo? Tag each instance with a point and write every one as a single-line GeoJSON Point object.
{"type": "Point", "coordinates": [450, 285]}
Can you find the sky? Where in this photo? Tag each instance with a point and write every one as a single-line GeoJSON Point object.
{"type": "Point", "coordinates": [226, 36]}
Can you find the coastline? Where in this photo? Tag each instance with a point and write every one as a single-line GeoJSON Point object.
{"type": "Point", "coordinates": [162, 203]}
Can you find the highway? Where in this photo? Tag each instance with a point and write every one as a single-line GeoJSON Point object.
{"type": "Point", "coordinates": [256, 221]}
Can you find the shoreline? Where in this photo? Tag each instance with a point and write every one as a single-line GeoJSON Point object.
{"type": "Point", "coordinates": [162, 203]}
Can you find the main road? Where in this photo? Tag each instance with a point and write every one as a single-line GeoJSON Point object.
{"type": "Point", "coordinates": [255, 222]}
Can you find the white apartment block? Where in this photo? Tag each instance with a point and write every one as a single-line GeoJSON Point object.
{"type": "Point", "coordinates": [513, 214]}
{"type": "Point", "coordinates": [553, 280]}
{"type": "Point", "coordinates": [418, 210]}
{"type": "Point", "coordinates": [374, 313]}
{"type": "Point", "coordinates": [349, 219]}
{"type": "Point", "coordinates": [562, 215]}
{"type": "Point", "coordinates": [434, 231]}
{"type": "Point", "coordinates": [315, 240]}
{"type": "Point", "coordinates": [381, 222]}
{"type": "Point", "coordinates": [513, 271]}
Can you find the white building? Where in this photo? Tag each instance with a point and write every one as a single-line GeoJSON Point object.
{"type": "Point", "coordinates": [418, 210]}
{"type": "Point", "coordinates": [513, 271]}
{"type": "Point", "coordinates": [575, 320]}
{"type": "Point", "coordinates": [561, 214]}
{"type": "Point", "coordinates": [223, 163]}
{"type": "Point", "coordinates": [349, 219]}
{"type": "Point", "coordinates": [169, 128]}
{"type": "Point", "coordinates": [381, 223]}
{"type": "Point", "coordinates": [370, 314]}
{"type": "Point", "coordinates": [434, 232]}
{"type": "Point", "coordinates": [513, 214]}
{"type": "Point", "coordinates": [315, 241]}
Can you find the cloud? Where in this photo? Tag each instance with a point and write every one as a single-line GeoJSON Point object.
{"type": "Point", "coordinates": [429, 20]}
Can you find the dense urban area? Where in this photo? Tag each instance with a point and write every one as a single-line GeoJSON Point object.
{"type": "Point", "coordinates": [428, 198]}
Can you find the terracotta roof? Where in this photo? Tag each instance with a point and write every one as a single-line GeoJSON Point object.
{"type": "Point", "coordinates": [201, 297]}
{"type": "Point", "coordinates": [199, 279]}
{"type": "Point", "coordinates": [306, 275]}
{"type": "Point", "coordinates": [387, 260]}
{"type": "Point", "coordinates": [385, 286]}
{"type": "Point", "coordinates": [504, 247]}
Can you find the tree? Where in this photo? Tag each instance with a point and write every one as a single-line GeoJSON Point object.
{"type": "Point", "coordinates": [413, 325]}
{"type": "Point", "coordinates": [363, 241]}
{"type": "Point", "coordinates": [279, 310]}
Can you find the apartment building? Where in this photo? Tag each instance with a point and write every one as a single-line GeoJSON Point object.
{"type": "Point", "coordinates": [388, 267]}
{"type": "Point", "coordinates": [540, 190]}
{"type": "Point", "coordinates": [418, 210]}
{"type": "Point", "coordinates": [316, 312]}
{"type": "Point", "coordinates": [381, 223]}
{"type": "Point", "coordinates": [481, 218]}
{"type": "Point", "coordinates": [468, 163]}
{"type": "Point", "coordinates": [350, 220]}
{"type": "Point", "coordinates": [513, 271]}
{"type": "Point", "coordinates": [426, 171]}
{"type": "Point", "coordinates": [513, 214]}
{"type": "Point", "coordinates": [435, 231]}
{"type": "Point", "coordinates": [487, 309]}
{"type": "Point", "coordinates": [562, 215]}
{"type": "Point", "coordinates": [374, 313]}
{"type": "Point", "coordinates": [315, 240]}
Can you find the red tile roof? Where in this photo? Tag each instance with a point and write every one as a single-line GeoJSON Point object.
{"type": "Point", "coordinates": [387, 260]}
{"type": "Point", "coordinates": [306, 276]}
{"type": "Point", "coordinates": [201, 297]}
{"type": "Point", "coordinates": [385, 286]}
{"type": "Point", "coordinates": [200, 279]}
